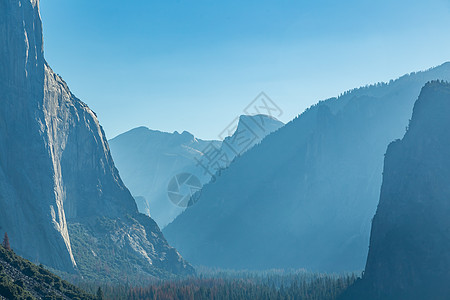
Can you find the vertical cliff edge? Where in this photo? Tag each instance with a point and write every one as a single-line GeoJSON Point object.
{"type": "Point", "coordinates": [62, 201]}
{"type": "Point", "coordinates": [409, 255]}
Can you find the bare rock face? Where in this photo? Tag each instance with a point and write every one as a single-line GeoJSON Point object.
{"type": "Point", "coordinates": [55, 164]}
{"type": "Point", "coordinates": [409, 256]}
{"type": "Point", "coordinates": [31, 198]}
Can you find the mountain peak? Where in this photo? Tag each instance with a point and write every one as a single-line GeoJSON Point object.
{"type": "Point", "coordinates": [258, 117]}
{"type": "Point", "coordinates": [259, 125]}
{"type": "Point", "coordinates": [432, 109]}
{"type": "Point", "coordinates": [186, 134]}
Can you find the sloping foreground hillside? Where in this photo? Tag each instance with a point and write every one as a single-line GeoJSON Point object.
{"type": "Point", "coordinates": [20, 279]}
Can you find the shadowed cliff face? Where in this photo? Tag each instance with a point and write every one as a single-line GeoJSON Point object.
{"type": "Point", "coordinates": [305, 196]}
{"type": "Point", "coordinates": [55, 164]}
{"type": "Point", "coordinates": [409, 256]}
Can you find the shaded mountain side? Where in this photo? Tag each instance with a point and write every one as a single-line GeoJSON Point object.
{"type": "Point", "coordinates": [20, 279]}
{"type": "Point", "coordinates": [306, 195]}
{"type": "Point", "coordinates": [250, 131]}
{"type": "Point", "coordinates": [409, 256]}
{"type": "Point", "coordinates": [55, 165]}
{"type": "Point", "coordinates": [149, 159]}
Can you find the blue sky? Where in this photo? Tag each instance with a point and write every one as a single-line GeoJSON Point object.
{"type": "Point", "coordinates": [195, 65]}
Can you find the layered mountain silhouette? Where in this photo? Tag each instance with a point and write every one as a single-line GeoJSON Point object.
{"type": "Point", "coordinates": [409, 256]}
{"type": "Point", "coordinates": [62, 201]}
{"type": "Point", "coordinates": [305, 196]}
{"type": "Point", "coordinates": [148, 160]}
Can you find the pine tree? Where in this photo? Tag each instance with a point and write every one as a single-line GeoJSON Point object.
{"type": "Point", "coordinates": [100, 294]}
{"type": "Point", "coordinates": [6, 244]}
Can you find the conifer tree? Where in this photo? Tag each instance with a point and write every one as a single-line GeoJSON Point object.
{"type": "Point", "coordinates": [100, 295]}
{"type": "Point", "coordinates": [6, 244]}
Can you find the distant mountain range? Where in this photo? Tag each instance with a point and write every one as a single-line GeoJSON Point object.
{"type": "Point", "coordinates": [148, 160]}
{"type": "Point", "coordinates": [409, 256]}
{"type": "Point", "coordinates": [305, 196]}
{"type": "Point", "coordinates": [62, 201]}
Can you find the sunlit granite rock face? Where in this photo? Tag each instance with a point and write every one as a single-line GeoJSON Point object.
{"type": "Point", "coordinates": [55, 164]}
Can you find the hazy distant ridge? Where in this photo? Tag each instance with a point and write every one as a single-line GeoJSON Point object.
{"type": "Point", "coordinates": [306, 195]}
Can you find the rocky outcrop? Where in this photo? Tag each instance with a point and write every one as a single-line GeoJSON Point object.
{"type": "Point", "coordinates": [409, 256]}
{"type": "Point", "coordinates": [55, 164]}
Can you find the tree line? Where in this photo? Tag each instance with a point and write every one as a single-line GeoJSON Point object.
{"type": "Point", "coordinates": [287, 287]}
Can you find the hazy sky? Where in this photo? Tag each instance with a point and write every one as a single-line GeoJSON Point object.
{"type": "Point", "coordinates": [194, 65]}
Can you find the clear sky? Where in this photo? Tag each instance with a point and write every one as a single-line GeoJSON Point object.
{"type": "Point", "coordinates": [194, 65]}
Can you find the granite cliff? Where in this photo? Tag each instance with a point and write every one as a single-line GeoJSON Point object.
{"type": "Point", "coordinates": [58, 184]}
{"type": "Point", "coordinates": [409, 256]}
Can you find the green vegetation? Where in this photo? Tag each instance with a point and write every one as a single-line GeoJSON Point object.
{"type": "Point", "coordinates": [294, 286]}
{"type": "Point", "coordinates": [12, 290]}
{"type": "Point", "coordinates": [20, 279]}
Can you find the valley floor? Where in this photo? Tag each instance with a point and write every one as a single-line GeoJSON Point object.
{"type": "Point", "coordinates": [223, 285]}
